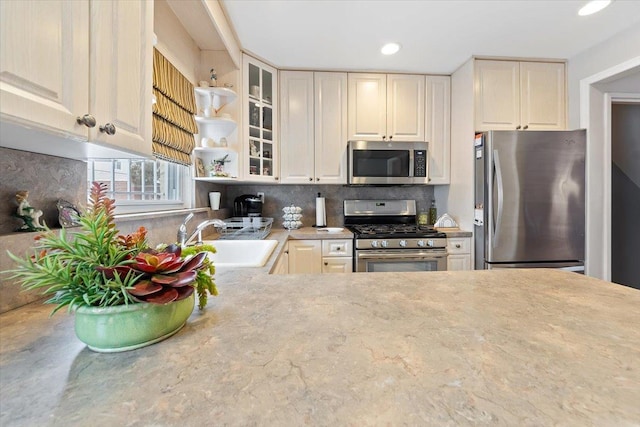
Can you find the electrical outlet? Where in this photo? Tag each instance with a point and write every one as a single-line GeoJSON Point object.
{"type": "Point", "coordinates": [261, 195]}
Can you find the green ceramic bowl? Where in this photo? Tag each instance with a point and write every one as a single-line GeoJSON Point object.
{"type": "Point", "coordinates": [127, 327]}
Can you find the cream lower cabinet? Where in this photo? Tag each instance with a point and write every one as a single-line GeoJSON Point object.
{"type": "Point", "coordinates": [75, 72]}
{"type": "Point", "coordinates": [313, 127]}
{"type": "Point", "coordinates": [337, 256]}
{"type": "Point", "coordinates": [320, 256]}
{"type": "Point", "coordinates": [282, 264]}
{"type": "Point", "coordinates": [512, 95]}
{"type": "Point", "coordinates": [305, 256]}
{"type": "Point", "coordinates": [386, 107]}
{"type": "Point", "coordinates": [459, 253]}
{"type": "Point", "coordinates": [438, 128]}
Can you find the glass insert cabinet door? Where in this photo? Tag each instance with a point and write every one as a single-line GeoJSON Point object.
{"type": "Point", "coordinates": [260, 82]}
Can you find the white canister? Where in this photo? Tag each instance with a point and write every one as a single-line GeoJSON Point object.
{"type": "Point", "coordinates": [214, 200]}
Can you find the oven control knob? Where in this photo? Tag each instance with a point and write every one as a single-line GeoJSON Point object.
{"type": "Point", "coordinates": [384, 243]}
{"type": "Point", "coordinates": [430, 243]}
{"type": "Point", "coordinates": [403, 243]}
{"type": "Point", "coordinates": [421, 243]}
{"type": "Point", "coordinates": [374, 243]}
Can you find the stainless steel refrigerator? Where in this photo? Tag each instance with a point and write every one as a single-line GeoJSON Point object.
{"type": "Point", "coordinates": [530, 199]}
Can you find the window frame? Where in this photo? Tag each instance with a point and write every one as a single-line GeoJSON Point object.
{"type": "Point", "coordinates": [123, 207]}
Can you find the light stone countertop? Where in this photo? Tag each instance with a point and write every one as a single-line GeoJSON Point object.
{"type": "Point", "coordinates": [457, 233]}
{"type": "Point", "coordinates": [500, 347]}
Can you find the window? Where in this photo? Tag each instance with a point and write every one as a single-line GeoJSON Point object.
{"type": "Point", "coordinates": [141, 185]}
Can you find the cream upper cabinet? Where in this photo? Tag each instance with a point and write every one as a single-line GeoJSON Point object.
{"type": "Point", "coordinates": [330, 127]}
{"type": "Point", "coordinates": [121, 78]}
{"type": "Point", "coordinates": [542, 95]}
{"type": "Point", "coordinates": [405, 107]}
{"type": "Point", "coordinates": [297, 126]}
{"type": "Point", "coordinates": [519, 95]}
{"type": "Point", "coordinates": [313, 127]}
{"type": "Point", "coordinates": [44, 60]}
{"type": "Point", "coordinates": [386, 106]}
{"type": "Point", "coordinates": [260, 146]}
{"type": "Point", "coordinates": [367, 108]}
{"type": "Point", "coordinates": [438, 128]}
{"type": "Point", "coordinates": [63, 61]}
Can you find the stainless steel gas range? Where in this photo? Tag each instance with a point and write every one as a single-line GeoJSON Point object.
{"type": "Point", "coordinates": [386, 237]}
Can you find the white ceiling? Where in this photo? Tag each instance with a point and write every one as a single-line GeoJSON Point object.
{"type": "Point", "coordinates": [436, 36]}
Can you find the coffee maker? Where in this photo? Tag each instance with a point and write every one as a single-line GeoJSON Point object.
{"type": "Point", "coordinates": [247, 205]}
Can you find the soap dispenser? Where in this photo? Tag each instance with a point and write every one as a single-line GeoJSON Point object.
{"type": "Point", "coordinates": [433, 213]}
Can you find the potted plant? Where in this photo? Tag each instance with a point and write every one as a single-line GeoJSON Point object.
{"type": "Point", "coordinates": [124, 294]}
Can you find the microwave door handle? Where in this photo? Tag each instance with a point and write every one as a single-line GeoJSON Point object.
{"type": "Point", "coordinates": [500, 191]}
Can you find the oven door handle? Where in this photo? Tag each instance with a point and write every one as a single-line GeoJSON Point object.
{"type": "Point", "coordinates": [387, 255]}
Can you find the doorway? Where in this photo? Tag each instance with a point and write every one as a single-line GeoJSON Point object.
{"type": "Point", "coordinates": [598, 94]}
{"type": "Point", "coordinates": [625, 193]}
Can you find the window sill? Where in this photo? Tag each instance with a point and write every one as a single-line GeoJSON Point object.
{"type": "Point", "coordinates": [158, 214]}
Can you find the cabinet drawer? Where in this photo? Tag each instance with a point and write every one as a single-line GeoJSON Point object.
{"type": "Point", "coordinates": [459, 245]}
{"type": "Point", "coordinates": [336, 248]}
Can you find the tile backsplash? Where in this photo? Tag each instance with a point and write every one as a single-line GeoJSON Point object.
{"type": "Point", "coordinates": [47, 178]}
{"type": "Point", "coordinates": [279, 196]}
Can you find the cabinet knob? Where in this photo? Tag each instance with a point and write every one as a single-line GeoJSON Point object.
{"type": "Point", "coordinates": [275, 177]}
{"type": "Point", "coordinates": [526, 127]}
{"type": "Point", "coordinates": [88, 120]}
{"type": "Point", "coordinates": [458, 245]}
{"type": "Point", "coordinates": [109, 129]}
{"type": "Point", "coordinates": [286, 252]}
{"type": "Point", "coordinates": [317, 179]}
{"type": "Point", "coordinates": [326, 263]}
{"type": "Point", "coordinates": [390, 137]}
{"type": "Point", "coordinates": [310, 179]}
{"type": "Point", "coordinates": [518, 127]}
{"type": "Point", "coordinates": [384, 137]}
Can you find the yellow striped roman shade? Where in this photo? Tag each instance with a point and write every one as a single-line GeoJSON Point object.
{"type": "Point", "coordinates": [173, 122]}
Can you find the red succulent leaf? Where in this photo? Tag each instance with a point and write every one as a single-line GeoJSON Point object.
{"type": "Point", "coordinates": [158, 263]}
{"type": "Point", "coordinates": [167, 295]}
{"type": "Point", "coordinates": [195, 262]}
{"type": "Point", "coordinates": [184, 278]}
{"type": "Point", "coordinates": [176, 280]}
{"type": "Point", "coordinates": [163, 279]}
{"type": "Point", "coordinates": [144, 288]}
{"type": "Point", "coordinates": [184, 292]}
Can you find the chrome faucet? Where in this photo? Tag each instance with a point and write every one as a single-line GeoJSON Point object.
{"type": "Point", "coordinates": [198, 231]}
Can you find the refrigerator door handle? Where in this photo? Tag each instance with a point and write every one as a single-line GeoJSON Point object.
{"type": "Point", "coordinates": [496, 225]}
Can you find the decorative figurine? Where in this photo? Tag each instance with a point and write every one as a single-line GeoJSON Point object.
{"type": "Point", "coordinates": [214, 77]}
{"type": "Point", "coordinates": [29, 215]}
{"type": "Point", "coordinates": [68, 214]}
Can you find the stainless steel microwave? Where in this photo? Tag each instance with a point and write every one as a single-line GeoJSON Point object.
{"type": "Point", "coordinates": [387, 162]}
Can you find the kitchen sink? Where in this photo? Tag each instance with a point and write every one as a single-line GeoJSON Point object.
{"type": "Point", "coordinates": [241, 253]}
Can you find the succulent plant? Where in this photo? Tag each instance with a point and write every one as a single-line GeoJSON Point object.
{"type": "Point", "coordinates": [98, 267]}
{"type": "Point", "coordinates": [166, 276]}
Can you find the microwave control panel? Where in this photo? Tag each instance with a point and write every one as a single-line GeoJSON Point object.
{"type": "Point", "coordinates": [420, 163]}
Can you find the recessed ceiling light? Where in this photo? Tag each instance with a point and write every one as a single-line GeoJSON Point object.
{"type": "Point", "coordinates": [390, 48]}
{"type": "Point", "coordinates": [593, 7]}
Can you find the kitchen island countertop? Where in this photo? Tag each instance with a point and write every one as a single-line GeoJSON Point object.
{"type": "Point", "coordinates": [509, 347]}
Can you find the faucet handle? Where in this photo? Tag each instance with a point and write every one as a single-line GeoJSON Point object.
{"type": "Point", "coordinates": [182, 230]}
{"type": "Point", "coordinates": [186, 220]}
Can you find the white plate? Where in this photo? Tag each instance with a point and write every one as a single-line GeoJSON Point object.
{"type": "Point", "coordinates": [331, 229]}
